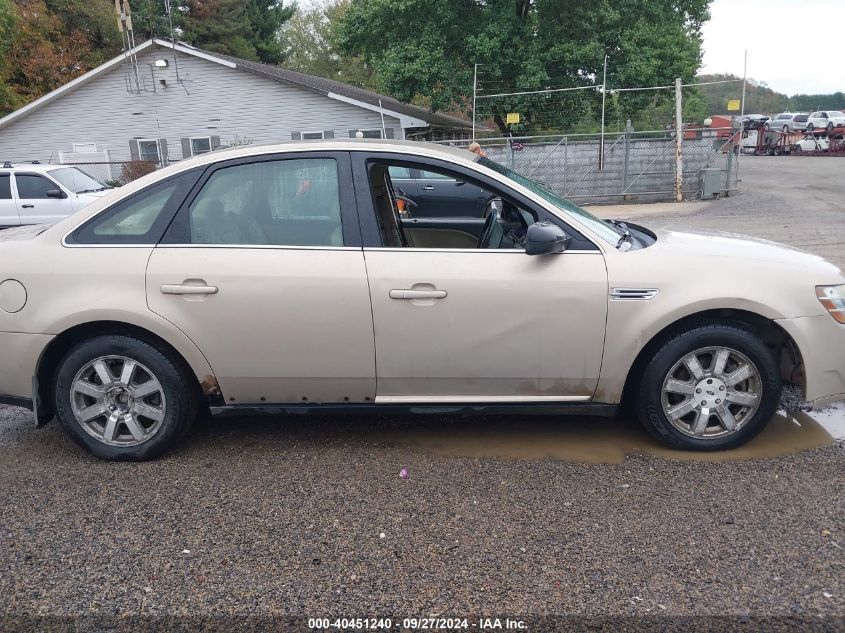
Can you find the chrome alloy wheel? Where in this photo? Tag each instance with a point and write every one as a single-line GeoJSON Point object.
{"type": "Point", "coordinates": [711, 392]}
{"type": "Point", "coordinates": [118, 401]}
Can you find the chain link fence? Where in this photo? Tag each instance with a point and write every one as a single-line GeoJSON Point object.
{"type": "Point", "coordinates": [630, 166]}
{"type": "Point", "coordinates": [114, 173]}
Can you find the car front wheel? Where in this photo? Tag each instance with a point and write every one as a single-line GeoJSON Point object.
{"type": "Point", "coordinates": [712, 387]}
{"type": "Point", "coordinates": [123, 398]}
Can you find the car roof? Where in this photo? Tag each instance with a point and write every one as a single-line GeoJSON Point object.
{"type": "Point", "coordinates": [6, 165]}
{"type": "Point", "coordinates": [416, 148]}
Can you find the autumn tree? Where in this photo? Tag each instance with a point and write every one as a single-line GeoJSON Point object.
{"type": "Point", "coordinates": [9, 99]}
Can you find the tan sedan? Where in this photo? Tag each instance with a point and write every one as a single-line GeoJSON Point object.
{"type": "Point", "coordinates": [284, 279]}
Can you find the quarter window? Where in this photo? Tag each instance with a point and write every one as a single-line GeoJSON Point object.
{"type": "Point", "coordinates": [311, 136]}
{"type": "Point", "coordinates": [139, 219]}
{"type": "Point", "coordinates": [282, 203]}
{"type": "Point", "coordinates": [32, 187]}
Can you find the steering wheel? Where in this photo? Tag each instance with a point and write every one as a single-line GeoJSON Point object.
{"type": "Point", "coordinates": [490, 225]}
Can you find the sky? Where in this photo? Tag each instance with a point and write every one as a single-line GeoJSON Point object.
{"type": "Point", "coordinates": [782, 37]}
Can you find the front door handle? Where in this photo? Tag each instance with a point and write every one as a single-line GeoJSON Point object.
{"type": "Point", "coordinates": [428, 188]}
{"type": "Point", "coordinates": [186, 289]}
{"type": "Point", "coordinates": [417, 294]}
{"type": "Point", "coordinates": [27, 206]}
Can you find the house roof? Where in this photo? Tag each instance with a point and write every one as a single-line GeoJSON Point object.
{"type": "Point", "coordinates": [409, 115]}
{"type": "Point", "coordinates": [334, 89]}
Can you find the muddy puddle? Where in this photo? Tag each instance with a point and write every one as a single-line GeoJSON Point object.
{"type": "Point", "coordinates": [605, 441]}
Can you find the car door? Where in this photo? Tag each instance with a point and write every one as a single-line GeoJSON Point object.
{"type": "Point", "coordinates": [263, 269]}
{"type": "Point", "coordinates": [8, 206]}
{"type": "Point", "coordinates": [440, 196]}
{"type": "Point", "coordinates": [38, 201]}
{"type": "Point", "coordinates": [480, 325]}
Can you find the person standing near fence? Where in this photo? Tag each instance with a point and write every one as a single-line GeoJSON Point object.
{"type": "Point", "coordinates": [475, 148]}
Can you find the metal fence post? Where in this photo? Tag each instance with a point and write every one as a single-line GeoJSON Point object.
{"type": "Point", "coordinates": [679, 141]}
{"type": "Point", "coordinates": [729, 165]}
{"type": "Point", "coordinates": [628, 130]}
{"type": "Point", "coordinates": [565, 161]}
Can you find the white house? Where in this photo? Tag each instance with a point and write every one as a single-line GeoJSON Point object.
{"type": "Point", "coordinates": [163, 102]}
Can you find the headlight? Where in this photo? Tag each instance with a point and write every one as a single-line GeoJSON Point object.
{"type": "Point", "coordinates": [833, 298]}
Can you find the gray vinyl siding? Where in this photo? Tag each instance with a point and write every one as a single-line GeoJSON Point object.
{"type": "Point", "coordinates": [215, 101]}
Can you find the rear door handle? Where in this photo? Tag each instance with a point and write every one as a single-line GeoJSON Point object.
{"type": "Point", "coordinates": [27, 206]}
{"type": "Point", "coordinates": [418, 294]}
{"type": "Point", "coordinates": [428, 188]}
{"type": "Point", "coordinates": [185, 289]}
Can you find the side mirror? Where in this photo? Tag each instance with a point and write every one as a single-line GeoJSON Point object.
{"type": "Point", "coordinates": [56, 193]}
{"type": "Point", "coordinates": [544, 238]}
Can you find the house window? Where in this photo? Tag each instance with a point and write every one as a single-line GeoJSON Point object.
{"type": "Point", "coordinates": [309, 136]}
{"type": "Point", "coordinates": [149, 151]}
{"type": "Point", "coordinates": [85, 148]}
{"type": "Point", "coordinates": [372, 133]}
{"type": "Point", "coordinates": [201, 145]}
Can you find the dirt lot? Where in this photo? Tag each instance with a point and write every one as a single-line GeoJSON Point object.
{"type": "Point", "coordinates": [522, 516]}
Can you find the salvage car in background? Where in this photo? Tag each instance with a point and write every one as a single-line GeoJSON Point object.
{"type": "Point", "coordinates": [284, 279]}
{"type": "Point", "coordinates": [788, 122]}
{"type": "Point", "coordinates": [32, 193]}
{"type": "Point", "coordinates": [825, 120]}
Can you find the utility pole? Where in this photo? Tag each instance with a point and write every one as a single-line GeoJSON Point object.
{"type": "Point", "coordinates": [679, 140]}
{"type": "Point", "coordinates": [603, 99]}
{"type": "Point", "coordinates": [741, 123]}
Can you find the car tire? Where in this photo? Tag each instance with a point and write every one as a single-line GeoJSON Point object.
{"type": "Point", "coordinates": [810, 127]}
{"type": "Point", "coordinates": [830, 126]}
{"type": "Point", "coordinates": [123, 398]}
{"type": "Point", "coordinates": [786, 129]}
{"type": "Point", "coordinates": [797, 149]}
{"type": "Point", "coordinates": [659, 406]}
{"type": "Point", "coordinates": [766, 127]}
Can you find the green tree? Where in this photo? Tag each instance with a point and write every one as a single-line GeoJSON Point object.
{"type": "Point", "coordinates": [309, 40]}
{"type": "Point", "coordinates": [247, 29]}
{"type": "Point", "coordinates": [265, 19]}
{"type": "Point", "coordinates": [149, 18]}
{"type": "Point", "coordinates": [527, 45]}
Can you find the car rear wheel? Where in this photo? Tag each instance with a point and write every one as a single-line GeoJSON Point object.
{"type": "Point", "coordinates": [785, 129]}
{"type": "Point", "coordinates": [797, 148]}
{"type": "Point", "coordinates": [810, 127]}
{"type": "Point", "coordinates": [123, 398]}
{"type": "Point", "coordinates": [830, 126]}
{"type": "Point", "coordinates": [712, 387]}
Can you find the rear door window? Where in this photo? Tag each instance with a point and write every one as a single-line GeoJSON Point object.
{"type": "Point", "coordinates": [291, 202]}
{"type": "Point", "coordinates": [5, 187]}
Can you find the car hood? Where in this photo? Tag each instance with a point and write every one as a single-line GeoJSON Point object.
{"type": "Point", "coordinates": [733, 246]}
{"type": "Point", "coordinates": [22, 233]}
{"type": "Point", "coordinates": [90, 196]}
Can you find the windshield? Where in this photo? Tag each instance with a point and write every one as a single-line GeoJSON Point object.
{"type": "Point", "coordinates": [77, 181]}
{"type": "Point", "coordinates": [605, 230]}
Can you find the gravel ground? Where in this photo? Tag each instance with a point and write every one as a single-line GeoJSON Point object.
{"type": "Point", "coordinates": [308, 516]}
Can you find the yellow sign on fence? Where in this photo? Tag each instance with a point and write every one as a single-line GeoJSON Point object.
{"type": "Point", "coordinates": [733, 105]}
{"type": "Point", "coordinates": [513, 117]}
